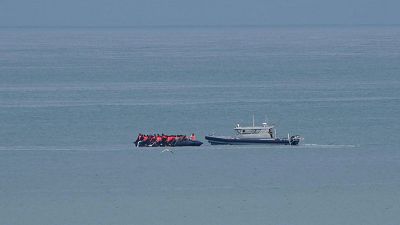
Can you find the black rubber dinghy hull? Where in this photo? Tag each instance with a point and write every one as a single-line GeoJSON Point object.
{"type": "Point", "coordinates": [187, 143]}
{"type": "Point", "coordinates": [180, 143]}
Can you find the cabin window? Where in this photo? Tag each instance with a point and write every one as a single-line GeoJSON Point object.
{"type": "Point", "coordinates": [250, 131]}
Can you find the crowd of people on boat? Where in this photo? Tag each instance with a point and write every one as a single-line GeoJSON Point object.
{"type": "Point", "coordinates": [157, 140]}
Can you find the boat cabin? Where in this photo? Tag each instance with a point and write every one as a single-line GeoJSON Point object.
{"type": "Point", "coordinates": [264, 131]}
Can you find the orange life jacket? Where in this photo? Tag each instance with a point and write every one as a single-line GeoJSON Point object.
{"type": "Point", "coordinates": [170, 138]}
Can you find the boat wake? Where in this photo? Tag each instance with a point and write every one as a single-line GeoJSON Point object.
{"type": "Point", "coordinates": [328, 146]}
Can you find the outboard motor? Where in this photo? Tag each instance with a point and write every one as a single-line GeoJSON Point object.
{"type": "Point", "coordinates": [295, 139]}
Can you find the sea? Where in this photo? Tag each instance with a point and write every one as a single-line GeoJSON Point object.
{"type": "Point", "coordinates": [73, 99]}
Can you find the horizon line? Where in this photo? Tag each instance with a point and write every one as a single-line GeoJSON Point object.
{"type": "Point", "coordinates": [192, 25]}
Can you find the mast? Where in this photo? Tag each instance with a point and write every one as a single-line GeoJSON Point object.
{"type": "Point", "coordinates": [253, 120]}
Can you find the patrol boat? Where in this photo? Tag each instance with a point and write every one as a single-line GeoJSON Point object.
{"type": "Point", "coordinates": [265, 134]}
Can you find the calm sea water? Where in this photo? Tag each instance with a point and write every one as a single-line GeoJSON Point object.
{"type": "Point", "coordinates": [73, 100]}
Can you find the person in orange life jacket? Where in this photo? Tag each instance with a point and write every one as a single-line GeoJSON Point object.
{"type": "Point", "coordinates": [192, 137]}
{"type": "Point", "coordinates": [158, 139]}
{"type": "Point", "coordinates": [170, 139]}
{"type": "Point", "coordinates": [153, 138]}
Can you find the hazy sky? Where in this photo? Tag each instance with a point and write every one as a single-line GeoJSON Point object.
{"type": "Point", "coordinates": [196, 12]}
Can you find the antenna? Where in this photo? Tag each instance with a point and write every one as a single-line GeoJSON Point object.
{"type": "Point", "coordinates": [253, 120]}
